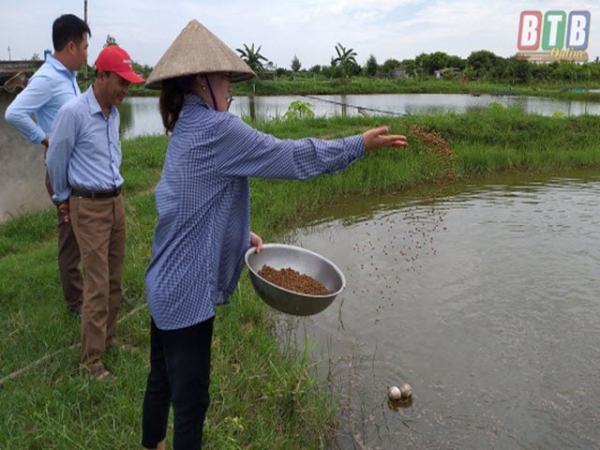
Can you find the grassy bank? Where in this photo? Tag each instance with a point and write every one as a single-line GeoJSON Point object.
{"type": "Point", "coordinates": [364, 85]}
{"type": "Point", "coordinates": [263, 396]}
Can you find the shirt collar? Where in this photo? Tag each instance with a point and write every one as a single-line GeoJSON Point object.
{"type": "Point", "coordinates": [93, 104]}
{"type": "Point", "coordinates": [195, 100]}
{"type": "Point", "coordinates": [58, 66]}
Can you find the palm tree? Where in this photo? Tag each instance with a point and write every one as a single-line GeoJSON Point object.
{"type": "Point", "coordinates": [253, 58]}
{"type": "Point", "coordinates": [346, 58]}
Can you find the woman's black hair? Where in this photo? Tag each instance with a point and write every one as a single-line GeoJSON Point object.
{"type": "Point", "coordinates": [171, 99]}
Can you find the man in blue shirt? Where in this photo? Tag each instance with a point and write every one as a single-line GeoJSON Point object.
{"type": "Point", "coordinates": [83, 162]}
{"type": "Point", "coordinates": [47, 91]}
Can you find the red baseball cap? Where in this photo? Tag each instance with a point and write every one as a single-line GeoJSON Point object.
{"type": "Point", "coordinates": [114, 59]}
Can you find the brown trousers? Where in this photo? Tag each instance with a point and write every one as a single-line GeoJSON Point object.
{"type": "Point", "coordinates": [100, 229]}
{"type": "Point", "coordinates": [68, 259]}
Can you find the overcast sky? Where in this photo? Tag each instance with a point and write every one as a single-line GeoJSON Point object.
{"type": "Point", "coordinates": [309, 29]}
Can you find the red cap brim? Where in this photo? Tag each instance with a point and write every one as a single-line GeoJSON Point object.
{"type": "Point", "coordinates": [132, 77]}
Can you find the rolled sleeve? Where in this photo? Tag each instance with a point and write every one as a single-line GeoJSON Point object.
{"type": "Point", "coordinates": [19, 112]}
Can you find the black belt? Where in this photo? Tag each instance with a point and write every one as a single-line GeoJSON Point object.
{"type": "Point", "coordinates": [84, 193]}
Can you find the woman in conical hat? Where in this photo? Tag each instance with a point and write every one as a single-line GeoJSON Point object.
{"type": "Point", "coordinates": [203, 229]}
{"type": "Point", "coordinates": [195, 52]}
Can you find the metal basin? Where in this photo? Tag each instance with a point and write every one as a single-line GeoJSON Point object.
{"type": "Point", "coordinates": [281, 256]}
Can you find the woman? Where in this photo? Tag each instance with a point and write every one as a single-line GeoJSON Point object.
{"type": "Point", "coordinates": [203, 229]}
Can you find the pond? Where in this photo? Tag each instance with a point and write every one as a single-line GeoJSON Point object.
{"type": "Point", "coordinates": [22, 165]}
{"type": "Point", "coordinates": [485, 301]}
{"type": "Point", "coordinates": [139, 115]}
{"type": "Point", "coordinates": [22, 171]}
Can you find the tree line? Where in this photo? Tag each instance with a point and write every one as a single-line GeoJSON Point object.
{"type": "Point", "coordinates": [481, 65]}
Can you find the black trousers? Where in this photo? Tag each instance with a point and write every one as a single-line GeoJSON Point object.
{"type": "Point", "coordinates": [68, 259]}
{"type": "Point", "coordinates": [179, 374]}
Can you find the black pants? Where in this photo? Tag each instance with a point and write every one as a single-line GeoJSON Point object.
{"type": "Point", "coordinates": [68, 259]}
{"type": "Point", "coordinates": [179, 374]}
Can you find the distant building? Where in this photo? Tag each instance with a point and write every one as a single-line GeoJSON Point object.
{"type": "Point", "coordinates": [398, 72]}
{"type": "Point", "coordinates": [440, 73]}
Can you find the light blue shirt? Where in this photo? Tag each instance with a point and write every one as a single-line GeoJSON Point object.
{"type": "Point", "coordinates": [85, 150]}
{"type": "Point", "coordinates": [203, 204]}
{"type": "Point", "coordinates": [47, 91]}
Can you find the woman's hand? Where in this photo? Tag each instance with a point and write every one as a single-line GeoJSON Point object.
{"type": "Point", "coordinates": [377, 138]}
{"type": "Point", "coordinates": [256, 241]}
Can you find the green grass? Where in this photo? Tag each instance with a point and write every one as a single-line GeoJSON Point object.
{"type": "Point", "coordinates": [320, 85]}
{"type": "Point", "coordinates": [263, 395]}
{"type": "Point", "coordinates": [364, 85]}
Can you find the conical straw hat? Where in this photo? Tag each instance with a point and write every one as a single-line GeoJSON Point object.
{"type": "Point", "coordinates": [197, 50]}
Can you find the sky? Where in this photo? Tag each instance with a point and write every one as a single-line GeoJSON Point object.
{"type": "Point", "coordinates": [284, 29]}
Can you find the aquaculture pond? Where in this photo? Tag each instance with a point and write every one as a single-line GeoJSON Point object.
{"type": "Point", "coordinates": [22, 163]}
{"type": "Point", "coordinates": [485, 300]}
{"type": "Point", "coordinates": [139, 115]}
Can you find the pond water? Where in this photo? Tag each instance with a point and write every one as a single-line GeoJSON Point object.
{"type": "Point", "coordinates": [139, 115]}
{"type": "Point", "coordinates": [485, 301]}
{"type": "Point", "coordinates": [22, 166]}
{"type": "Point", "coordinates": [22, 171]}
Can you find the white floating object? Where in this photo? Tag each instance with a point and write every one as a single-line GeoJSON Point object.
{"type": "Point", "coordinates": [394, 393]}
{"type": "Point", "coordinates": [405, 391]}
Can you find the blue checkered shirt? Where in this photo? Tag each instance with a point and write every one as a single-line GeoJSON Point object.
{"type": "Point", "coordinates": [203, 205]}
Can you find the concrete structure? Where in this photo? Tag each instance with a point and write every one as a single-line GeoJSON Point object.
{"type": "Point", "coordinates": [8, 69]}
